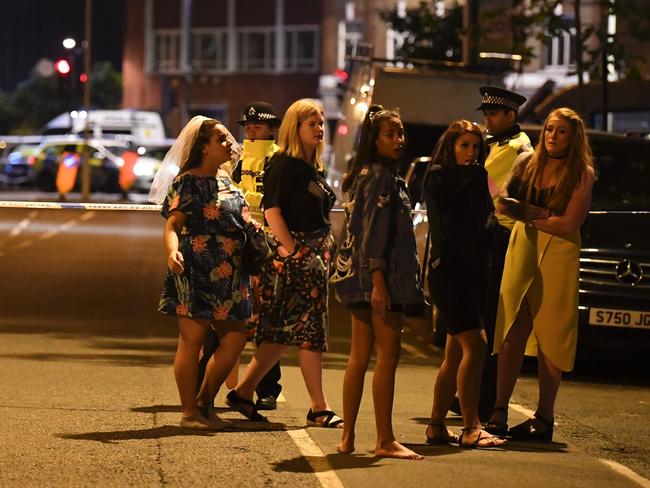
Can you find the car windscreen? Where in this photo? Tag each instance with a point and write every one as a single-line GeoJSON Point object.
{"type": "Point", "coordinates": [623, 171]}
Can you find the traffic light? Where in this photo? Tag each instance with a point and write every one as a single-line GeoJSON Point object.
{"type": "Point", "coordinates": [62, 68]}
{"type": "Point", "coordinates": [65, 83]}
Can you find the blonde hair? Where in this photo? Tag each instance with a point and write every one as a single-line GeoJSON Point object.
{"type": "Point", "coordinates": [576, 163]}
{"type": "Point", "coordinates": [288, 136]}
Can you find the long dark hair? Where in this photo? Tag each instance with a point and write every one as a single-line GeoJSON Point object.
{"type": "Point", "coordinates": [367, 149]}
{"type": "Point", "coordinates": [202, 138]}
{"type": "Point", "coordinates": [444, 154]}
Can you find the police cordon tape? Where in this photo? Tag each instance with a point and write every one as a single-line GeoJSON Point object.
{"type": "Point", "coordinates": [81, 206]}
{"type": "Point", "coordinates": [109, 206]}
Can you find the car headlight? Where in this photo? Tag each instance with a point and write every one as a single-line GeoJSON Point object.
{"type": "Point", "coordinates": [143, 168]}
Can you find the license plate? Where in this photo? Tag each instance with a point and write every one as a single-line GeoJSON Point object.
{"type": "Point", "coordinates": [619, 318]}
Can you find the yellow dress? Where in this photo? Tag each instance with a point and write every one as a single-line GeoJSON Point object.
{"type": "Point", "coordinates": [543, 269]}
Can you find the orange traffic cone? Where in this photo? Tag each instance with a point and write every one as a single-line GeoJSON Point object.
{"type": "Point", "coordinates": [126, 178]}
{"type": "Point", "coordinates": [66, 175]}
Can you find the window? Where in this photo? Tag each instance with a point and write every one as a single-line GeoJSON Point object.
{"type": "Point", "coordinates": [256, 49]}
{"type": "Point", "coordinates": [209, 49]}
{"type": "Point", "coordinates": [301, 48]}
{"type": "Point", "coordinates": [560, 50]}
{"type": "Point", "coordinates": [166, 50]}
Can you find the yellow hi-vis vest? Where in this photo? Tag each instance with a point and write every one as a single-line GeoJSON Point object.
{"type": "Point", "coordinates": [255, 154]}
{"type": "Point", "coordinates": [499, 163]}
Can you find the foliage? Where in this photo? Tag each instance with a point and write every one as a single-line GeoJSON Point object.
{"type": "Point", "coordinates": [37, 100]}
{"type": "Point", "coordinates": [425, 34]}
{"type": "Point", "coordinates": [539, 19]}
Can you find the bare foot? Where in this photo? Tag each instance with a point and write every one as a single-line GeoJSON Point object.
{"type": "Point", "coordinates": [210, 413]}
{"type": "Point", "coordinates": [396, 450]}
{"type": "Point", "coordinates": [346, 446]}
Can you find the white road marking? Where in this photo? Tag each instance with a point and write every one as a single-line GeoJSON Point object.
{"type": "Point", "coordinates": [414, 351]}
{"type": "Point", "coordinates": [63, 227]}
{"type": "Point", "coordinates": [523, 410]}
{"type": "Point", "coordinates": [619, 468]}
{"type": "Point", "coordinates": [22, 225]}
{"type": "Point", "coordinates": [316, 459]}
{"type": "Point", "coordinates": [627, 472]}
{"type": "Point", "coordinates": [281, 398]}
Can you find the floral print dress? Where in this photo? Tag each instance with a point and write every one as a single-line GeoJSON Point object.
{"type": "Point", "coordinates": [213, 285]}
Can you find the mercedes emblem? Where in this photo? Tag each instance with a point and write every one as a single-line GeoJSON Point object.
{"type": "Point", "coordinates": [629, 272]}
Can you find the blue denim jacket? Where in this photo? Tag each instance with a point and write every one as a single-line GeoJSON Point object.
{"type": "Point", "coordinates": [378, 234]}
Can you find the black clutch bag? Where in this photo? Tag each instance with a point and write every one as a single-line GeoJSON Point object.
{"type": "Point", "coordinates": [256, 252]}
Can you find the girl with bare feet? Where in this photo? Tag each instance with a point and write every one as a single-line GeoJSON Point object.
{"type": "Point", "coordinates": [377, 243]}
{"type": "Point", "coordinates": [207, 224]}
{"type": "Point", "coordinates": [460, 214]}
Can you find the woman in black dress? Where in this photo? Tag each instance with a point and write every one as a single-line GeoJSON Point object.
{"type": "Point", "coordinates": [460, 212]}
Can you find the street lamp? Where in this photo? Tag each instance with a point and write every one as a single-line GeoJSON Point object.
{"type": "Point", "coordinates": [69, 44]}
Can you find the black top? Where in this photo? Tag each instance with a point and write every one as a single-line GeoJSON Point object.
{"type": "Point", "coordinates": [304, 197]}
{"type": "Point", "coordinates": [516, 189]}
{"type": "Point", "coordinates": [461, 197]}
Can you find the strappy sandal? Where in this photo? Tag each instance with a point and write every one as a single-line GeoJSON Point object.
{"type": "Point", "coordinates": [494, 441]}
{"type": "Point", "coordinates": [244, 406]}
{"type": "Point", "coordinates": [499, 429]}
{"type": "Point", "coordinates": [527, 431]}
{"type": "Point", "coordinates": [443, 436]}
{"type": "Point", "coordinates": [332, 421]}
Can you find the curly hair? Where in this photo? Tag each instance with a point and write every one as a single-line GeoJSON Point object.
{"type": "Point", "coordinates": [576, 163]}
{"type": "Point", "coordinates": [367, 149]}
{"type": "Point", "coordinates": [444, 153]}
{"type": "Point", "coordinates": [202, 138]}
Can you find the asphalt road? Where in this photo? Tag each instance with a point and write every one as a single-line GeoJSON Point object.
{"type": "Point", "coordinates": [87, 394]}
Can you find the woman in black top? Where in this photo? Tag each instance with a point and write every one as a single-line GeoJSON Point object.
{"type": "Point", "coordinates": [460, 212]}
{"type": "Point", "coordinates": [297, 202]}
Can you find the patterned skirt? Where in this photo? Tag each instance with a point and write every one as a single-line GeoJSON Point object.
{"type": "Point", "coordinates": [294, 293]}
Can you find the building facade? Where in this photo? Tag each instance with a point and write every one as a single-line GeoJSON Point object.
{"type": "Point", "coordinates": [215, 57]}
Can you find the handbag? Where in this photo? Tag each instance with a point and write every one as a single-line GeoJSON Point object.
{"type": "Point", "coordinates": [256, 252]}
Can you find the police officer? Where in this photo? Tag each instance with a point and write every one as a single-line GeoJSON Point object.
{"type": "Point", "coordinates": [506, 141]}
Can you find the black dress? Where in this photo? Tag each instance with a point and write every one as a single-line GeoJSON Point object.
{"type": "Point", "coordinates": [459, 198]}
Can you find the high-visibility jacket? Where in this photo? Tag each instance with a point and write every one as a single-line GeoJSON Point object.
{"type": "Point", "coordinates": [498, 164]}
{"type": "Point", "coordinates": [249, 173]}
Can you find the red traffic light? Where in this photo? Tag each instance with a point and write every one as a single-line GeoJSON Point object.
{"type": "Point", "coordinates": [83, 78]}
{"type": "Point", "coordinates": [341, 74]}
{"type": "Point", "coordinates": [62, 67]}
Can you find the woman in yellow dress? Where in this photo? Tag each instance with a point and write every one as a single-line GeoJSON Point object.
{"type": "Point", "coordinates": [549, 194]}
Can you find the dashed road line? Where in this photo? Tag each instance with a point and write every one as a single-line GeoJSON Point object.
{"type": "Point", "coordinates": [316, 458]}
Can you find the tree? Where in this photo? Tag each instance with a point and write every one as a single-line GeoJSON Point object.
{"type": "Point", "coordinates": [427, 35]}
{"type": "Point", "coordinates": [37, 100]}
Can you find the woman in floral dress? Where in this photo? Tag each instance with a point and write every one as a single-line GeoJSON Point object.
{"type": "Point", "coordinates": [205, 286]}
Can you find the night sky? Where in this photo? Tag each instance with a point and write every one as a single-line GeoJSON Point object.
{"type": "Point", "coordinates": [34, 29]}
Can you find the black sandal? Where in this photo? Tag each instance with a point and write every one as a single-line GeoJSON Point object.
{"type": "Point", "coordinates": [526, 431]}
{"type": "Point", "coordinates": [244, 406]}
{"type": "Point", "coordinates": [497, 428]}
{"type": "Point", "coordinates": [443, 437]}
{"type": "Point", "coordinates": [494, 441]}
{"type": "Point", "coordinates": [328, 423]}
